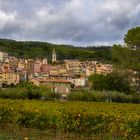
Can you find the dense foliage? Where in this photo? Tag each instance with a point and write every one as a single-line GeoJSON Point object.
{"type": "Point", "coordinates": [43, 93]}
{"type": "Point", "coordinates": [76, 117]}
{"type": "Point", "coordinates": [105, 96]}
{"type": "Point", "coordinates": [102, 53]}
{"type": "Point", "coordinates": [30, 49]}
{"type": "Point", "coordinates": [132, 38]}
{"type": "Point", "coordinates": [128, 56]}
{"type": "Point", "coordinates": [110, 82]}
{"type": "Point", "coordinates": [27, 90]}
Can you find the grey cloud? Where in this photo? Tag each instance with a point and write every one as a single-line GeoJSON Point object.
{"type": "Point", "coordinates": [134, 16]}
{"type": "Point", "coordinates": [10, 28]}
{"type": "Point", "coordinates": [78, 22]}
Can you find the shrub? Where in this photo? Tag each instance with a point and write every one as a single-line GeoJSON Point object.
{"type": "Point", "coordinates": [14, 93]}
{"type": "Point", "coordinates": [29, 92]}
{"type": "Point", "coordinates": [105, 96]}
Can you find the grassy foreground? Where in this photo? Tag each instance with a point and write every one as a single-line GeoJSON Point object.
{"type": "Point", "coordinates": [118, 120]}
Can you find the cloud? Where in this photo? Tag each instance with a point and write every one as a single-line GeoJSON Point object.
{"type": "Point", "coordinates": [78, 22]}
{"type": "Point", "coordinates": [4, 18]}
{"type": "Point", "coordinates": [134, 16]}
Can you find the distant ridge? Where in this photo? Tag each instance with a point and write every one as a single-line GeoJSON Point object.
{"type": "Point", "coordinates": [38, 49]}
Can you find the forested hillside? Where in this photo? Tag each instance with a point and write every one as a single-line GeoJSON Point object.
{"type": "Point", "coordinates": [34, 49]}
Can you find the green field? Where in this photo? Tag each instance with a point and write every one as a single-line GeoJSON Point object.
{"type": "Point", "coordinates": [86, 118]}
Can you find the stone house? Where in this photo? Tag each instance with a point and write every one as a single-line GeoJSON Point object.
{"type": "Point", "coordinates": [56, 85]}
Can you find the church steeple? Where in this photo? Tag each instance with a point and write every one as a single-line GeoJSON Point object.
{"type": "Point", "coordinates": [53, 55]}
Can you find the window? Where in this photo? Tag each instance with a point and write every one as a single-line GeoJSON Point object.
{"type": "Point", "coordinates": [67, 90]}
{"type": "Point", "coordinates": [55, 90]}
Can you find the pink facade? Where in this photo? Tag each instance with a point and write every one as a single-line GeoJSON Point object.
{"type": "Point", "coordinates": [44, 69]}
{"type": "Point", "coordinates": [37, 67]}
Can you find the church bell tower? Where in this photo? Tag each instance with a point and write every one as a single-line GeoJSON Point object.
{"type": "Point", "coordinates": [53, 55]}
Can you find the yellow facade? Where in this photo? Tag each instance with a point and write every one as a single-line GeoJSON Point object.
{"type": "Point", "coordinates": [63, 71]}
{"type": "Point", "coordinates": [54, 72]}
{"type": "Point", "coordinates": [9, 78]}
{"type": "Point", "coordinates": [58, 71]}
{"type": "Point", "coordinates": [22, 64]}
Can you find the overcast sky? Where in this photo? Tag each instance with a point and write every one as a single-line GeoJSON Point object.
{"type": "Point", "coordinates": [77, 22]}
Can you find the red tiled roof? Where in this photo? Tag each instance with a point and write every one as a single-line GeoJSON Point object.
{"type": "Point", "coordinates": [53, 80]}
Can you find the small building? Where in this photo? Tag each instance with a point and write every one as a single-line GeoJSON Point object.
{"type": "Point", "coordinates": [78, 82]}
{"type": "Point", "coordinates": [89, 71]}
{"type": "Point", "coordinates": [13, 63]}
{"type": "Point", "coordinates": [45, 68]}
{"type": "Point", "coordinates": [103, 68]}
{"type": "Point", "coordinates": [22, 74]}
{"type": "Point", "coordinates": [44, 61]}
{"type": "Point", "coordinates": [37, 67]}
{"type": "Point", "coordinates": [54, 71]}
{"type": "Point", "coordinates": [5, 67]}
{"type": "Point", "coordinates": [9, 78]}
{"type": "Point", "coordinates": [22, 64]}
{"type": "Point", "coordinates": [56, 85]}
{"type": "Point", "coordinates": [30, 66]}
{"type": "Point", "coordinates": [3, 56]}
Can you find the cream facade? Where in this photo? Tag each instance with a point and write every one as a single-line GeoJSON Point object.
{"type": "Point", "coordinates": [78, 82]}
{"type": "Point", "coordinates": [9, 78]}
{"type": "Point", "coordinates": [3, 56]}
{"type": "Point", "coordinates": [56, 85]}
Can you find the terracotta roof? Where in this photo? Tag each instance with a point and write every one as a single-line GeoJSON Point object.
{"type": "Point", "coordinates": [52, 80]}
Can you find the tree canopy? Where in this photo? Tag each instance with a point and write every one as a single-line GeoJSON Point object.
{"type": "Point", "coordinates": [132, 38]}
{"type": "Point", "coordinates": [114, 81]}
{"type": "Point", "coordinates": [128, 56]}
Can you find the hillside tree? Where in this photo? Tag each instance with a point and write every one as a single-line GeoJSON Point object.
{"type": "Point", "coordinates": [128, 55]}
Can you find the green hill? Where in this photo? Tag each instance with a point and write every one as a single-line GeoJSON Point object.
{"type": "Point", "coordinates": [36, 49]}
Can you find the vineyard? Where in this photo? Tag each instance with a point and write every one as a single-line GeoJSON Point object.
{"type": "Point", "coordinates": [86, 118]}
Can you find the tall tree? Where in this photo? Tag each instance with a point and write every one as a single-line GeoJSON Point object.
{"type": "Point", "coordinates": [129, 54]}
{"type": "Point", "coordinates": [114, 81]}
{"type": "Point", "coordinates": [132, 38]}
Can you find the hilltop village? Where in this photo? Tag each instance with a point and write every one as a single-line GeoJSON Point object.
{"type": "Point", "coordinates": [60, 78]}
